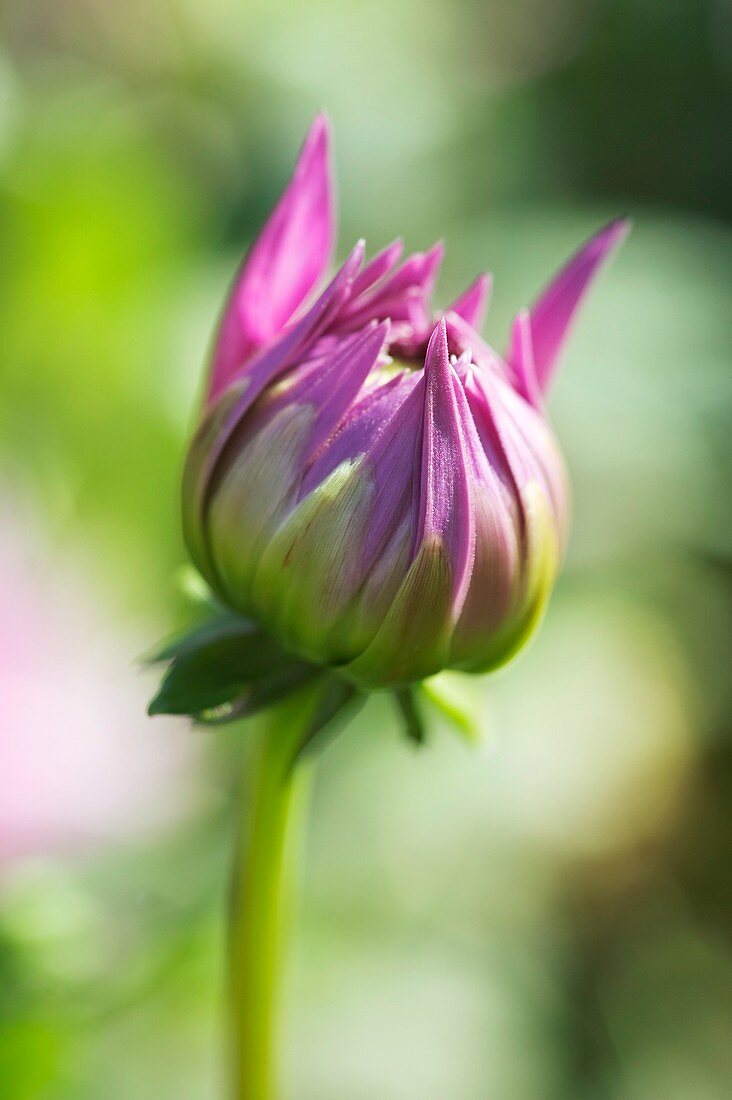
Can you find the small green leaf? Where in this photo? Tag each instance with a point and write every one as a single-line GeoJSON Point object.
{"type": "Point", "coordinates": [189, 689]}
{"type": "Point", "coordinates": [413, 723]}
{"type": "Point", "coordinates": [195, 588]}
{"type": "Point", "coordinates": [226, 625]}
{"type": "Point", "coordinates": [268, 689]}
{"type": "Point", "coordinates": [452, 694]}
{"type": "Point", "coordinates": [217, 664]}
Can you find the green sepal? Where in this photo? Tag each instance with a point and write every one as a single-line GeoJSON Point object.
{"type": "Point", "coordinates": [192, 584]}
{"type": "Point", "coordinates": [274, 686]}
{"type": "Point", "coordinates": [409, 712]}
{"type": "Point", "coordinates": [450, 694]}
{"type": "Point", "coordinates": [338, 703]}
{"type": "Point", "coordinates": [225, 669]}
{"type": "Point", "coordinates": [225, 626]}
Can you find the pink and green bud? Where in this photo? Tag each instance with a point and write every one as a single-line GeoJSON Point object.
{"type": "Point", "coordinates": [373, 484]}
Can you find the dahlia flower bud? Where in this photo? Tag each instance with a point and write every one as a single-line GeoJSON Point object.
{"type": "Point", "coordinates": [375, 486]}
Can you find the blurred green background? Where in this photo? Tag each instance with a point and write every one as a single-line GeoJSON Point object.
{"type": "Point", "coordinates": [547, 917]}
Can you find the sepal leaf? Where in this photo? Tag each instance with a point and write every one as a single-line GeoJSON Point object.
{"type": "Point", "coordinates": [448, 693]}
{"type": "Point", "coordinates": [223, 670]}
{"type": "Point", "coordinates": [338, 703]}
{"type": "Point", "coordinates": [410, 714]}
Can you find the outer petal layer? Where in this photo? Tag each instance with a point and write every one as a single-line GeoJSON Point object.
{"type": "Point", "coordinates": [522, 359]}
{"type": "Point", "coordinates": [225, 417]}
{"type": "Point", "coordinates": [286, 261]}
{"type": "Point", "coordinates": [445, 500]}
{"type": "Point", "coordinates": [472, 305]}
{"type": "Point", "coordinates": [552, 314]}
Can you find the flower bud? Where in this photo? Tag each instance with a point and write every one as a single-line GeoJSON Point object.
{"type": "Point", "coordinates": [378, 488]}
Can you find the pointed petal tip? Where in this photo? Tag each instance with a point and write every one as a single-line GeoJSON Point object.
{"type": "Point", "coordinates": [610, 236]}
{"type": "Point", "coordinates": [517, 328]}
{"type": "Point", "coordinates": [622, 224]}
{"type": "Point", "coordinates": [434, 257]}
{"type": "Point", "coordinates": [429, 263]}
{"type": "Point", "coordinates": [314, 166]}
{"type": "Point", "coordinates": [521, 358]}
{"type": "Point", "coordinates": [484, 282]}
{"type": "Point", "coordinates": [377, 268]}
{"type": "Point", "coordinates": [285, 263]}
{"type": "Point", "coordinates": [393, 252]}
{"type": "Point", "coordinates": [554, 311]}
{"type": "Point", "coordinates": [383, 328]}
{"type": "Point", "coordinates": [354, 259]}
{"type": "Point", "coordinates": [436, 356]}
{"type": "Point", "coordinates": [445, 514]}
{"type": "Point", "coordinates": [372, 336]}
{"type": "Point", "coordinates": [472, 304]}
{"type": "Point", "coordinates": [320, 132]}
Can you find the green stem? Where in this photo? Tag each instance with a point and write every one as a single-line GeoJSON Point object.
{"type": "Point", "coordinates": [262, 888]}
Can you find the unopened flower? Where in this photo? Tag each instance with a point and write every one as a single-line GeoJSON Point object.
{"type": "Point", "coordinates": [372, 483]}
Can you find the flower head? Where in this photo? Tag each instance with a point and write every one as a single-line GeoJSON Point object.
{"type": "Point", "coordinates": [371, 482]}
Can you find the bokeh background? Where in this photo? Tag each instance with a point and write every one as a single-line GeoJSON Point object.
{"type": "Point", "coordinates": [545, 916]}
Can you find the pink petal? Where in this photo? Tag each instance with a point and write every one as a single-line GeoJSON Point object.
{"type": "Point", "coordinates": [402, 296]}
{"type": "Point", "coordinates": [392, 455]}
{"type": "Point", "coordinates": [283, 266]}
{"type": "Point", "coordinates": [446, 513]}
{"type": "Point", "coordinates": [377, 268]}
{"type": "Point", "coordinates": [495, 566]}
{"type": "Point", "coordinates": [472, 304]}
{"type": "Point", "coordinates": [521, 359]}
{"type": "Point", "coordinates": [364, 423]}
{"type": "Point", "coordinates": [207, 448]}
{"type": "Point", "coordinates": [553, 313]}
{"type": "Point", "coordinates": [517, 440]}
{"type": "Point", "coordinates": [334, 385]}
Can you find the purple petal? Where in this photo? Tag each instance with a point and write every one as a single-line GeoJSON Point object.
{"type": "Point", "coordinates": [392, 457]}
{"type": "Point", "coordinates": [553, 313]}
{"type": "Point", "coordinates": [445, 509]}
{"type": "Point", "coordinates": [495, 568]}
{"type": "Point", "coordinates": [462, 338]}
{"type": "Point", "coordinates": [377, 268]}
{"type": "Point", "coordinates": [288, 258]}
{"type": "Point", "coordinates": [520, 448]}
{"type": "Point", "coordinates": [334, 384]}
{"type": "Point", "coordinates": [367, 422]}
{"type": "Point", "coordinates": [517, 440]}
{"type": "Point", "coordinates": [432, 262]}
{"type": "Point", "coordinates": [472, 304]}
{"type": "Point", "coordinates": [521, 359]}
{"type": "Point", "coordinates": [271, 364]}
{"type": "Point", "coordinates": [402, 296]}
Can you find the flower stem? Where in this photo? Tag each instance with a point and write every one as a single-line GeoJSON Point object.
{"type": "Point", "coordinates": [262, 889]}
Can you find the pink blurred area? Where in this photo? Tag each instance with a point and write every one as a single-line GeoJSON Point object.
{"type": "Point", "coordinates": [81, 765]}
